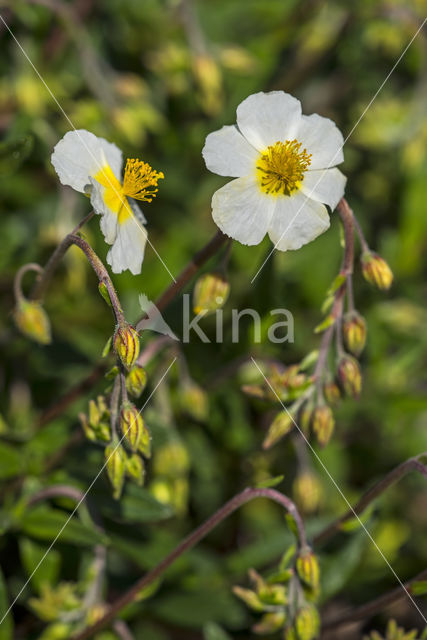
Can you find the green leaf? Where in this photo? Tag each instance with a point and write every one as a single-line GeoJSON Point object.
{"type": "Point", "coordinates": [6, 627]}
{"type": "Point", "coordinates": [136, 505]}
{"type": "Point", "coordinates": [419, 588]}
{"type": "Point", "coordinates": [212, 631]}
{"type": "Point", "coordinates": [41, 572]}
{"type": "Point", "coordinates": [107, 348]}
{"type": "Point", "coordinates": [337, 569]}
{"type": "Point", "coordinates": [327, 322]}
{"type": "Point", "coordinates": [270, 482]}
{"type": "Point", "coordinates": [12, 461]}
{"type": "Point", "coordinates": [336, 284]}
{"type": "Point", "coordinates": [355, 523]}
{"type": "Point", "coordinates": [45, 523]}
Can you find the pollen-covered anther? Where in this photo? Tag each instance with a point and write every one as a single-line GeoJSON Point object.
{"type": "Point", "coordinates": [140, 180]}
{"type": "Point", "coordinates": [282, 166]}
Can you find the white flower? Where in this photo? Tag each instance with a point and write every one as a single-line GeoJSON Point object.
{"type": "Point", "coordinates": [93, 166]}
{"type": "Point", "coordinates": [284, 164]}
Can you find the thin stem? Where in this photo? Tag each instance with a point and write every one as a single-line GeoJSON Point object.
{"type": "Point", "coordinates": [371, 608]}
{"type": "Point", "coordinates": [189, 542]}
{"type": "Point", "coordinates": [42, 283]}
{"type": "Point", "coordinates": [350, 293]}
{"type": "Point", "coordinates": [364, 244]}
{"type": "Point", "coordinates": [17, 284]}
{"type": "Point", "coordinates": [114, 406]}
{"type": "Point", "coordinates": [347, 218]}
{"type": "Point", "coordinates": [412, 464]}
{"type": "Point", "coordinates": [123, 385]}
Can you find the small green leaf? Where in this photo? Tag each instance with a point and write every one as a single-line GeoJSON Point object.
{"type": "Point", "coordinates": [12, 461]}
{"type": "Point", "coordinates": [327, 322]}
{"type": "Point", "coordinates": [45, 524]}
{"type": "Point", "coordinates": [336, 284]}
{"type": "Point", "coordinates": [419, 588]}
{"type": "Point", "coordinates": [45, 572]}
{"type": "Point", "coordinates": [270, 482]}
{"type": "Point", "coordinates": [352, 524]}
{"type": "Point", "coordinates": [212, 631]}
{"type": "Point", "coordinates": [106, 350]}
{"type": "Point", "coordinates": [104, 293]}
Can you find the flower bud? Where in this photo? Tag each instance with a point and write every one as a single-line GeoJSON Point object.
{"type": "Point", "coordinates": [304, 418]}
{"type": "Point", "coordinates": [32, 321]}
{"type": "Point", "coordinates": [87, 429]}
{"type": "Point", "coordinates": [307, 568]}
{"type": "Point", "coordinates": [376, 270]}
{"type": "Point", "coordinates": [307, 623]}
{"type": "Point", "coordinates": [194, 401]}
{"type": "Point", "coordinates": [270, 623]}
{"type": "Point", "coordinates": [131, 425]}
{"type": "Point", "coordinates": [135, 468]}
{"type": "Point", "coordinates": [281, 425]}
{"type": "Point", "coordinates": [126, 344]}
{"type": "Point", "coordinates": [354, 332]}
{"type": "Point", "coordinates": [210, 292]}
{"type": "Point", "coordinates": [307, 491]}
{"type": "Point", "coordinates": [249, 597]}
{"type": "Point", "coordinates": [136, 381]}
{"type": "Point", "coordinates": [332, 392]}
{"type": "Point", "coordinates": [323, 424]}
{"type": "Point", "coordinates": [144, 447]}
{"type": "Point", "coordinates": [350, 376]}
{"type": "Point", "coordinates": [115, 457]}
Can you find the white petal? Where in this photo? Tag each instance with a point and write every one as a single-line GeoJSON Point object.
{"type": "Point", "coordinates": [137, 211]}
{"type": "Point", "coordinates": [228, 153]}
{"type": "Point", "coordinates": [296, 221]}
{"type": "Point", "coordinates": [266, 118]}
{"type": "Point", "coordinates": [81, 154]}
{"type": "Point", "coordinates": [109, 220]}
{"type": "Point", "coordinates": [242, 211]}
{"type": "Point", "coordinates": [324, 185]}
{"type": "Point", "coordinates": [128, 249]}
{"type": "Point", "coordinates": [322, 138]}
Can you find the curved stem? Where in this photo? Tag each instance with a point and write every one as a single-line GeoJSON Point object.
{"type": "Point", "coordinates": [17, 283]}
{"type": "Point", "coordinates": [371, 608]}
{"type": "Point", "coordinates": [412, 464]}
{"type": "Point", "coordinates": [189, 542]}
{"type": "Point", "coordinates": [42, 283]}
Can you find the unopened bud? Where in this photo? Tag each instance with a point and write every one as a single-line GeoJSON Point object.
{"type": "Point", "coordinates": [307, 623]}
{"type": "Point", "coordinates": [354, 332]}
{"type": "Point", "coordinates": [135, 468]}
{"type": "Point", "coordinates": [88, 430]}
{"type": "Point", "coordinates": [350, 376]}
{"type": "Point", "coordinates": [249, 597]}
{"type": "Point", "coordinates": [32, 320]}
{"type": "Point", "coordinates": [136, 381]}
{"type": "Point", "coordinates": [307, 568]}
{"type": "Point", "coordinates": [304, 418]}
{"type": "Point", "coordinates": [307, 491]}
{"type": "Point", "coordinates": [115, 458]}
{"type": "Point", "coordinates": [144, 447]}
{"type": "Point", "coordinates": [126, 344]}
{"type": "Point", "coordinates": [131, 425]}
{"type": "Point", "coordinates": [94, 414]}
{"type": "Point", "coordinates": [270, 623]}
{"type": "Point", "coordinates": [194, 401]}
{"type": "Point", "coordinates": [323, 424]}
{"type": "Point", "coordinates": [332, 392]}
{"type": "Point", "coordinates": [210, 292]}
{"type": "Point", "coordinates": [376, 270]}
{"type": "Point", "coordinates": [281, 425]}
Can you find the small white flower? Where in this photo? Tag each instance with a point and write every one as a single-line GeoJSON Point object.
{"type": "Point", "coordinates": [93, 166]}
{"type": "Point", "coordinates": [284, 164]}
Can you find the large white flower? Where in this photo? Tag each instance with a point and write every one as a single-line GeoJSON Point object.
{"type": "Point", "coordinates": [284, 163]}
{"type": "Point", "coordinates": [93, 166]}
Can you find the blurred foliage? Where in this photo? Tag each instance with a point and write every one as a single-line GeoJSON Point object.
{"type": "Point", "coordinates": [156, 76]}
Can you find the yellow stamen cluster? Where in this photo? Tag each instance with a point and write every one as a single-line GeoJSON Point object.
{"type": "Point", "coordinates": [140, 180]}
{"type": "Point", "coordinates": [281, 167]}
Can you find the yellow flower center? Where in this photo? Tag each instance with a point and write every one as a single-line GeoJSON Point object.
{"type": "Point", "coordinates": [281, 167]}
{"type": "Point", "coordinates": [140, 180]}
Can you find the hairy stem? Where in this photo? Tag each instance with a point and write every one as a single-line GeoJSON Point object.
{"type": "Point", "coordinates": [412, 464]}
{"type": "Point", "coordinates": [17, 283]}
{"type": "Point", "coordinates": [189, 542]}
{"type": "Point", "coordinates": [371, 608]}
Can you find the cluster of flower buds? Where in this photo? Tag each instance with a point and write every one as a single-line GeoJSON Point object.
{"type": "Point", "coordinates": [286, 598]}
{"type": "Point", "coordinates": [394, 632]}
{"type": "Point", "coordinates": [32, 321]}
{"type": "Point", "coordinates": [210, 293]}
{"type": "Point", "coordinates": [96, 424]}
{"type": "Point", "coordinates": [126, 344]}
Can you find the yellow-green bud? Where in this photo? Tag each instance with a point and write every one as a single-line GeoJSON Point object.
{"type": "Point", "coordinates": [249, 597]}
{"type": "Point", "coordinates": [115, 458]}
{"type": "Point", "coordinates": [354, 332]}
{"type": "Point", "coordinates": [304, 418]}
{"type": "Point", "coordinates": [88, 430]}
{"type": "Point", "coordinates": [210, 292]}
{"type": "Point", "coordinates": [32, 320]}
{"type": "Point", "coordinates": [135, 468]}
{"type": "Point", "coordinates": [307, 623]}
{"type": "Point", "coordinates": [194, 401]}
{"type": "Point", "coordinates": [323, 424]}
{"type": "Point", "coordinates": [94, 414]}
{"type": "Point", "coordinates": [307, 568]}
{"type": "Point", "coordinates": [103, 432]}
{"type": "Point", "coordinates": [270, 623]}
{"type": "Point", "coordinates": [307, 491]}
{"type": "Point", "coordinates": [136, 381]}
{"type": "Point", "coordinates": [126, 344]}
{"type": "Point", "coordinates": [350, 376]}
{"type": "Point", "coordinates": [332, 392]}
{"type": "Point", "coordinates": [144, 447]}
{"type": "Point", "coordinates": [131, 425]}
{"type": "Point", "coordinates": [281, 425]}
{"type": "Point", "coordinates": [273, 594]}
{"type": "Point", "coordinates": [376, 270]}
